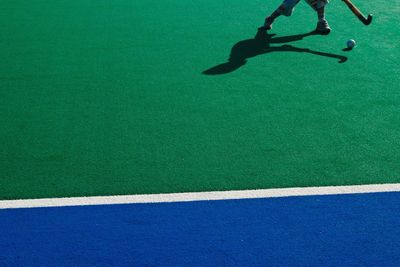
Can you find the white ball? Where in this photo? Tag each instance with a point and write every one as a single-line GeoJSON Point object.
{"type": "Point", "coordinates": [351, 43]}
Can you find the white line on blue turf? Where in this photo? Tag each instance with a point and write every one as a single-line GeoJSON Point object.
{"type": "Point", "coordinates": [198, 196]}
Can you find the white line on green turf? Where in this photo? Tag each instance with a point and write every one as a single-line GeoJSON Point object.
{"type": "Point", "coordinates": [198, 196]}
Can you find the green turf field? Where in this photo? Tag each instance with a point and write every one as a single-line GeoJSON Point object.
{"type": "Point", "coordinates": [115, 97]}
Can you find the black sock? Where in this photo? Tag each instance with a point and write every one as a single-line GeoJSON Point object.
{"type": "Point", "coordinates": [276, 14]}
{"type": "Point", "coordinates": [321, 13]}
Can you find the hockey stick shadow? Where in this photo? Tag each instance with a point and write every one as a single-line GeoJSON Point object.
{"type": "Point", "coordinates": [261, 44]}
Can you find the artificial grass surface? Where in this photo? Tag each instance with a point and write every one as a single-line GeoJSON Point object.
{"type": "Point", "coordinates": [109, 97]}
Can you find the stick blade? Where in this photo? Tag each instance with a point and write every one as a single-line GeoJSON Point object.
{"type": "Point", "coordinates": [368, 20]}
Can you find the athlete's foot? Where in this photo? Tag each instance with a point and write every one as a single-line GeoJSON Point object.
{"type": "Point", "coordinates": [323, 27]}
{"type": "Point", "coordinates": [268, 23]}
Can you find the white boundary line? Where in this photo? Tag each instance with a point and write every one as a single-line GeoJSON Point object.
{"type": "Point", "coordinates": [199, 196]}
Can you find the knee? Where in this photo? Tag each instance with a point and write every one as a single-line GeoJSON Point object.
{"type": "Point", "coordinates": [318, 4]}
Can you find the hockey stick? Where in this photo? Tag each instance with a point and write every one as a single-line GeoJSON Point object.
{"type": "Point", "coordinates": [358, 13]}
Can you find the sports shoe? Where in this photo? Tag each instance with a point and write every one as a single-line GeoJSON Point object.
{"type": "Point", "coordinates": [323, 27]}
{"type": "Point", "coordinates": [268, 23]}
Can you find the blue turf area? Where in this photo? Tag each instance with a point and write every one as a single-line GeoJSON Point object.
{"type": "Point", "coordinates": [346, 230]}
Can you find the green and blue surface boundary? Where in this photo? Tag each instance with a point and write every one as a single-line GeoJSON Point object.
{"type": "Point", "coordinates": [334, 226]}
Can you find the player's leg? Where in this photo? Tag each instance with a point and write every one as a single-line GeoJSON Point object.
{"type": "Point", "coordinates": [319, 7]}
{"type": "Point", "coordinates": [322, 25]}
{"type": "Point", "coordinates": [270, 19]}
{"type": "Point", "coordinates": [286, 9]}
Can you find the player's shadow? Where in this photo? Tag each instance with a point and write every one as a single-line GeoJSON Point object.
{"type": "Point", "coordinates": [261, 44]}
